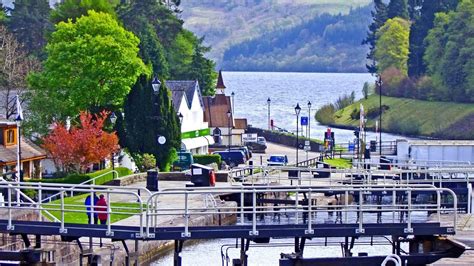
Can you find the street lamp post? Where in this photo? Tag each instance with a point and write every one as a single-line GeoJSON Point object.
{"type": "Point", "coordinates": [232, 95]}
{"type": "Point", "coordinates": [269, 121]}
{"type": "Point", "coordinates": [180, 117]}
{"type": "Point", "coordinates": [309, 121]}
{"type": "Point", "coordinates": [155, 84]}
{"type": "Point", "coordinates": [379, 85]}
{"type": "Point", "coordinates": [113, 119]}
{"type": "Point", "coordinates": [297, 111]}
{"type": "Point", "coordinates": [229, 114]}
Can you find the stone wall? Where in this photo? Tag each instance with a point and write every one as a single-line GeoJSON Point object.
{"type": "Point", "coordinates": [283, 139]}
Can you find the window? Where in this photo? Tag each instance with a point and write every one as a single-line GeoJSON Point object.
{"type": "Point", "coordinates": [10, 136]}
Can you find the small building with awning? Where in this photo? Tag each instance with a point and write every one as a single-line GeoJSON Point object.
{"type": "Point", "coordinates": [187, 101]}
{"type": "Point", "coordinates": [31, 154]}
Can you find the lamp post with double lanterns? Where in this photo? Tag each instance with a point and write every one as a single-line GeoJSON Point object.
{"type": "Point", "coordinates": [229, 114]}
{"type": "Point", "coordinates": [297, 112]}
{"type": "Point", "coordinates": [113, 119]}
{"type": "Point", "coordinates": [269, 121]}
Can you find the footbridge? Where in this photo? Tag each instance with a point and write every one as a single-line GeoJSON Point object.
{"type": "Point", "coordinates": [251, 213]}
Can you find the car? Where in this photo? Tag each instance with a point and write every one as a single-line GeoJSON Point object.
{"type": "Point", "coordinates": [247, 152]}
{"type": "Point", "coordinates": [232, 158]}
{"type": "Point", "coordinates": [277, 160]}
{"type": "Point", "coordinates": [261, 141]}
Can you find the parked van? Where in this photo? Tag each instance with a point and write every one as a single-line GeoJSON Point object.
{"type": "Point", "coordinates": [232, 158]}
{"type": "Point", "coordinates": [247, 152]}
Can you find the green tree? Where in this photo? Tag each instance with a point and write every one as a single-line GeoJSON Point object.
{"type": "Point", "coordinates": [73, 9]}
{"type": "Point", "coordinates": [149, 115]}
{"type": "Point", "coordinates": [91, 65]}
{"type": "Point", "coordinates": [450, 53]}
{"type": "Point", "coordinates": [419, 30]}
{"type": "Point", "coordinates": [29, 22]}
{"type": "Point", "coordinates": [392, 45]}
{"type": "Point", "coordinates": [398, 8]}
{"type": "Point", "coordinates": [175, 53]}
{"type": "Point", "coordinates": [379, 15]}
{"type": "Point", "coordinates": [136, 18]}
{"type": "Point", "coordinates": [202, 69]}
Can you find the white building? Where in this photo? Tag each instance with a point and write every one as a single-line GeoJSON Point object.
{"type": "Point", "coordinates": [187, 100]}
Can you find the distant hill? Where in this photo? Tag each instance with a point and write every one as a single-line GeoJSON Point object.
{"type": "Point", "coordinates": [231, 26]}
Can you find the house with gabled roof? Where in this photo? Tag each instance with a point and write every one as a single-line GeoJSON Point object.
{"type": "Point", "coordinates": [226, 129]}
{"type": "Point", "coordinates": [31, 154]}
{"type": "Point", "coordinates": [187, 100]}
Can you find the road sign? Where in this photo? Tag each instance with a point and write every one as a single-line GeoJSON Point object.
{"type": "Point", "coordinates": [306, 143]}
{"type": "Point", "coordinates": [249, 137]}
{"type": "Point", "coordinates": [304, 120]}
{"type": "Point", "coordinates": [300, 146]}
{"type": "Point", "coordinates": [307, 148]}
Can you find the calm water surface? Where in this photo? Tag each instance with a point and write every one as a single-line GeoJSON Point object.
{"type": "Point", "coordinates": [252, 89]}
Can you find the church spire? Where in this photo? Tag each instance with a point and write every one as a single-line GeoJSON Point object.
{"type": "Point", "coordinates": [220, 84]}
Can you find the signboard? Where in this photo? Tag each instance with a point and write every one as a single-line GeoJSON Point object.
{"type": "Point", "coordinates": [307, 148]}
{"type": "Point", "coordinates": [306, 143]}
{"type": "Point", "coordinates": [304, 120]}
{"type": "Point", "coordinates": [196, 133]}
{"type": "Point", "coordinates": [249, 137]}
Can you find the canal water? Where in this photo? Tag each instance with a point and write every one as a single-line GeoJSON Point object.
{"type": "Point", "coordinates": [250, 101]}
{"type": "Point", "coordinates": [252, 89]}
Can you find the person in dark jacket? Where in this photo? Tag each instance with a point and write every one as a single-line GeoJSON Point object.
{"type": "Point", "coordinates": [102, 210]}
{"type": "Point", "coordinates": [90, 208]}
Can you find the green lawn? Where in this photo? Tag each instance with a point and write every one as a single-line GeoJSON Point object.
{"type": "Point", "coordinates": [435, 119]}
{"type": "Point", "coordinates": [339, 162]}
{"type": "Point", "coordinates": [76, 203]}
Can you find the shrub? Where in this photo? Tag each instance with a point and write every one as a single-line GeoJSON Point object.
{"type": "Point", "coordinates": [344, 101]}
{"type": "Point", "coordinates": [80, 178]}
{"type": "Point", "coordinates": [145, 161]}
{"type": "Point", "coordinates": [325, 114]}
{"type": "Point", "coordinates": [366, 90]}
{"type": "Point", "coordinates": [355, 114]}
{"type": "Point", "coordinates": [207, 159]}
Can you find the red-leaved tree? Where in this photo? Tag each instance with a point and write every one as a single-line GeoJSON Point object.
{"type": "Point", "coordinates": [78, 148]}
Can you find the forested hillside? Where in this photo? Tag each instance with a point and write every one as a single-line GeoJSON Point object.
{"type": "Point", "coordinates": [227, 24]}
{"type": "Point", "coordinates": [327, 43]}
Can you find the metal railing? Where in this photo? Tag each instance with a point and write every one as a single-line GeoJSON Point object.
{"type": "Point", "coordinates": [63, 206]}
{"type": "Point", "coordinates": [353, 205]}
{"type": "Point", "coordinates": [306, 206]}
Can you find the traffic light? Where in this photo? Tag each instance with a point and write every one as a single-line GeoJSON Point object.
{"type": "Point", "coordinates": [356, 133]}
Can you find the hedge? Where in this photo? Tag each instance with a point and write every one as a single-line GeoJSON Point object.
{"type": "Point", "coordinates": [207, 159]}
{"type": "Point", "coordinates": [80, 178]}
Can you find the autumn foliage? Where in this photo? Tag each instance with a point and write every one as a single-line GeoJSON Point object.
{"type": "Point", "coordinates": [76, 149]}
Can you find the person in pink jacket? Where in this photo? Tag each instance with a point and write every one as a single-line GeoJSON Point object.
{"type": "Point", "coordinates": [102, 209]}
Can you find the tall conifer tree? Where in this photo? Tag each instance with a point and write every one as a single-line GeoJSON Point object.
{"type": "Point", "coordinates": [419, 30]}
{"type": "Point", "coordinates": [149, 115]}
{"type": "Point", "coordinates": [398, 8]}
{"type": "Point", "coordinates": [29, 22]}
{"type": "Point", "coordinates": [379, 15]}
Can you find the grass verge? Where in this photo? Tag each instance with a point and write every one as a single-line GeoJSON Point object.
{"type": "Point", "coordinates": [339, 162]}
{"type": "Point", "coordinates": [76, 210]}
